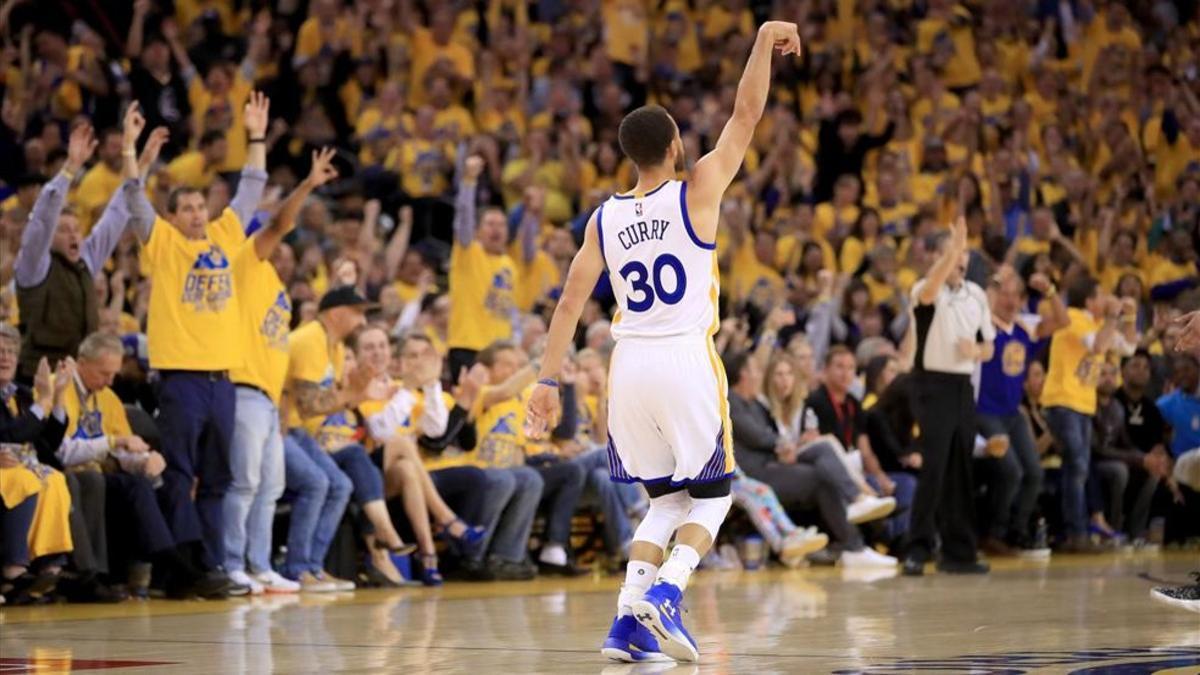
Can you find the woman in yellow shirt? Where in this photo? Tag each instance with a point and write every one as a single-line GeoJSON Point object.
{"type": "Point", "coordinates": [863, 237]}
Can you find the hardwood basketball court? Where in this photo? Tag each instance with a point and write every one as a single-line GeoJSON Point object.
{"type": "Point", "coordinates": [1073, 615]}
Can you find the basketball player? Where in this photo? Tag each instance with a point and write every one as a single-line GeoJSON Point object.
{"type": "Point", "coordinates": [668, 415]}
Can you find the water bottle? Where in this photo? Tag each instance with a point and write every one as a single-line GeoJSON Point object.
{"type": "Point", "coordinates": [810, 420]}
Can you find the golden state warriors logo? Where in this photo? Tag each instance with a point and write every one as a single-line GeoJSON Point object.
{"type": "Point", "coordinates": [337, 431]}
{"type": "Point", "coordinates": [499, 299]}
{"type": "Point", "coordinates": [209, 284]}
{"type": "Point", "coordinates": [90, 425]}
{"type": "Point", "coordinates": [1088, 371]}
{"type": "Point", "coordinates": [500, 446]}
{"type": "Point", "coordinates": [274, 325]}
{"type": "Point", "coordinates": [1013, 358]}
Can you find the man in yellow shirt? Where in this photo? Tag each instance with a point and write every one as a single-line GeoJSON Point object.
{"type": "Point", "coordinates": [193, 326]}
{"type": "Point", "coordinates": [256, 455]}
{"type": "Point", "coordinates": [1098, 323]}
{"type": "Point", "coordinates": [198, 168]}
{"type": "Point", "coordinates": [482, 275]}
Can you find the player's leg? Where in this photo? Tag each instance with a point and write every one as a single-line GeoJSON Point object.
{"type": "Point", "coordinates": [628, 640]}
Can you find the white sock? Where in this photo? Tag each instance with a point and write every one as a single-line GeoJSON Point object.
{"type": "Point", "coordinates": [638, 577]}
{"type": "Point", "coordinates": [679, 566]}
{"type": "Point", "coordinates": [553, 554]}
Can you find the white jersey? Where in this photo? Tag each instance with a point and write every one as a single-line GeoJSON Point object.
{"type": "Point", "coordinates": [663, 276]}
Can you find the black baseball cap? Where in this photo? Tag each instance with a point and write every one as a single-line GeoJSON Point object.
{"type": "Point", "coordinates": [343, 296]}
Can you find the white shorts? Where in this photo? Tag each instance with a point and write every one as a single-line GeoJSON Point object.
{"type": "Point", "coordinates": [668, 412]}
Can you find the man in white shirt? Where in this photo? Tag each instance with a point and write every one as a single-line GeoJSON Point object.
{"type": "Point", "coordinates": [954, 334]}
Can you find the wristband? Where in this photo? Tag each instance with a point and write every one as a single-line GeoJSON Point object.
{"type": "Point", "coordinates": [549, 382]}
{"type": "Point", "coordinates": [257, 140]}
{"type": "Point", "coordinates": [70, 175]}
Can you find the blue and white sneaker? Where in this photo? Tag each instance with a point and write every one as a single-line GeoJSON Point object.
{"type": "Point", "coordinates": [630, 642]}
{"type": "Point", "coordinates": [659, 611]}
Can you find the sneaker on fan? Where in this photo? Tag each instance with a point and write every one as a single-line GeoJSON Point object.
{"type": "Point", "coordinates": [800, 543]}
{"type": "Point", "coordinates": [274, 582]}
{"type": "Point", "coordinates": [242, 579]}
{"type": "Point", "coordinates": [309, 583]}
{"type": "Point", "coordinates": [869, 508]}
{"type": "Point", "coordinates": [867, 557]}
{"type": "Point", "coordinates": [338, 583]}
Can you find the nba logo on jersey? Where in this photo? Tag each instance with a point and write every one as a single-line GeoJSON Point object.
{"type": "Point", "coordinates": [637, 208]}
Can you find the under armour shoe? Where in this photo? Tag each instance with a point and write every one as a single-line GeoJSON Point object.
{"type": "Point", "coordinates": [1184, 597]}
{"type": "Point", "coordinates": [629, 641]}
{"type": "Point", "coordinates": [660, 612]}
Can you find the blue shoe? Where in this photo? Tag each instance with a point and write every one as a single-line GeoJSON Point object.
{"type": "Point", "coordinates": [630, 642]}
{"type": "Point", "coordinates": [659, 611]}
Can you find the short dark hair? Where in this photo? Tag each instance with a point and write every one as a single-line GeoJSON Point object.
{"type": "Point", "coordinates": [836, 351]}
{"type": "Point", "coordinates": [211, 136]}
{"type": "Point", "coordinates": [645, 135]}
{"type": "Point", "coordinates": [1080, 291]}
{"type": "Point", "coordinates": [177, 194]}
{"type": "Point", "coordinates": [735, 363]}
{"type": "Point", "coordinates": [487, 355]}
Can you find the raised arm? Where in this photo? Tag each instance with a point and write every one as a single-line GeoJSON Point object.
{"type": "Point", "coordinates": [106, 234]}
{"type": "Point", "coordinates": [585, 270]}
{"type": "Point", "coordinates": [950, 256]}
{"type": "Point", "coordinates": [531, 222]}
{"type": "Point", "coordinates": [137, 27]}
{"type": "Point", "coordinates": [254, 173]}
{"type": "Point", "coordinates": [33, 258]}
{"type": "Point", "coordinates": [1053, 311]}
{"type": "Point", "coordinates": [141, 212]}
{"type": "Point", "coordinates": [267, 239]}
{"type": "Point", "coordinates": [716, 170]}
{"type": "Point", "coordinates": [397, 247]}
{"type": "Point", "coordinates": [464, 202]}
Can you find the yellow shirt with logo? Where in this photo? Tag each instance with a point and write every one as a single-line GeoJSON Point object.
{"type": "Point", "coordinates": [194, 317]}
{"type": "Point", "coordinates": [311, 360]}
{"type": "Point", "coordinates": [266, 316]}
{"type": "Point", "coordinates": [95, 414]}
{"type": "Point", "coordinates": [500, 429]}
{"type": "Point", "coordinates": [1074, 369]}
{"type": "Point", "coordinates": [481, 297]}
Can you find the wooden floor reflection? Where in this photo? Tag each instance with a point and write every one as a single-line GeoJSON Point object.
{"type": "Point", "coordinates": [1082, 615]}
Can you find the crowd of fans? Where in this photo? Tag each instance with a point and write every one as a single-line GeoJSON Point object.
{"type": "Point", "coordinates": [268, 262]}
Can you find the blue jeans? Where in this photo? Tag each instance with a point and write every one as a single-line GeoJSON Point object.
{"type": "Point", "coordinates": [196, 412]}
{"type": "Point", "coordinates": [614, 499]}
{"type": "Point", "coordinates": [508, 510]}
{"type": "Point", "coordinates": [256, 461]}
{"type": "Point", "coordinates": [364, 476]}
{"type": "Point", "coordinates": [322, 492]}
{"type": "Point", "coordinates": [1016, 478]}
{"type": "Point", "coordinates": [1073, 431]}
{"type": "Point", "coordinates": [896, 525]}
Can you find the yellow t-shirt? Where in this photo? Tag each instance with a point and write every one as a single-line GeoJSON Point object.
{"type": "Point", "coordinates": [95, 189]}
{"type": "Point", "coordinates": [95, 414]}
{"type": "Point", "coordinates": [421, 165]}
{"type": "Point", "coordinates": [1074, 370]}
{"type": "Point", "coordinates": [456, 121]}
{"type": "Point", "coordinates": [1112, 274]}
{"type": "Point", "coordinates": [790, 248]}
{"type": "Point", "coordinates": [751, 280]}
{"type": "Point", "coordinates": [194, 317]}
{"type": "Point", "coordinates": [188, 170]}
{"type": "Point", "coordinates": [501, 432]}
{"type": "Point", "coordinates": [962, 70]}
{"type": "Point", "coordinates": [482, 301]}
{"type": "Point", "coordinates": [232, 104]}
{"type": "Point", "coordinates": [626, 31]}
{"type": "Point", "coordinates": [826, 216]}
{"type": "Point", "coordinates": [1163, 271]}
{"type": "Point", "coordinates": [266, 316]}
{"type": "Point", "coordinates": [310, 359]}
{"type": "Point", "coordinates": [536, 280]}
{"type": "Point", "coordinates": [426, 52]}
{"type": "Point", "coordinates": [311, 40]}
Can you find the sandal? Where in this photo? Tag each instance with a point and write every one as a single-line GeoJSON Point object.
{"type": "Point", "coordinates": [430, 576]}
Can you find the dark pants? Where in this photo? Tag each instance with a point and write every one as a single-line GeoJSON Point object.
{"type": "Point", "coordinates": [462, 488]}
{"type": "Point", "coordinates": [945, 407]}
{"type": "Point", "coordinates": [1107, 480]}
{"type": "Point", "coordinates": [354, 461]}
{"type": "Point", "coordinates": [457, 359]}
{"type": "Point", "coordinates": [133, 503]}
{"type": "Point", "coordinates": [1014, 479]}
{"type": "Point", "coordinates": [88, 531]}
{"type": "Point", "coordinates": [196, 415]}
{"type": "Point", "coordinates": [1073, 431]}
{"type": "Point", "coordinates": [800, 487]}
{"type": "Point", "coordinates": [1183, 520]}
{"type": "Point", "coordinates": [563, 487]}
{"type": "Point", "coordinates": [14, 531]}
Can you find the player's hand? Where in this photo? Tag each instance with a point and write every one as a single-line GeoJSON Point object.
{"type": "Point", "coordinates": [322, 170]}
{"type": "Point", "coordinates": [256, 114]}
{"type": "Point", "coordinates": [80, 147]}
{"type": "Point", "coordinates": [1189, 339]}
{"type": "Point", "coordinates": [541, 411]}
{"type": "Point", "coordinates": [785, 35]}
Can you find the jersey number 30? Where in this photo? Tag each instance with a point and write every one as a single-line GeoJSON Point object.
{"type": "Point", "coordinates": [636, 275]}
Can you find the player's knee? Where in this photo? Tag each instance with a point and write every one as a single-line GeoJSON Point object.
{"type": "Point", "coordinates": [665, 515]}
{"type": "Point", "coordinates": [709, 513]}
